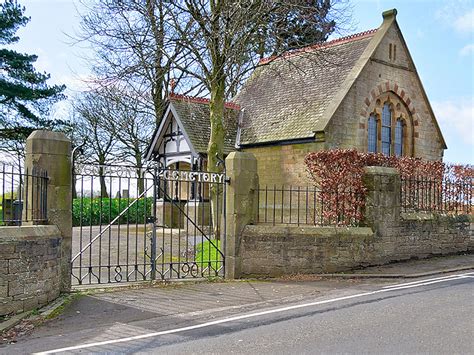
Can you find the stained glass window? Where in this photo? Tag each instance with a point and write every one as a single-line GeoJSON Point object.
{"type": "Point", "coordinates": [398, 138]}
{"type": "Point", "coordinates": [372, 134]}
{"type": "Point", "coordinates": [386, 129]}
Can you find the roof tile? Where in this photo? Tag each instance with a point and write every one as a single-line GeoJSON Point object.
{"type": "Point", "coordinates": [286, 99]}
{"type": "Point", "coordinates": [194, 114]}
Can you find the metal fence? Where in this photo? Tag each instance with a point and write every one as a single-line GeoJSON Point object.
{"type": "Point", "coordinates": [421, 194]}
{"type": "Point", "coordinates": [308, 206]}
{"type": "Point", "coordinates": [23, 195]}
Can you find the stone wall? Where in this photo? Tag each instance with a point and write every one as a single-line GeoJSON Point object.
{"type": "Point", "coordinates": [284, 164]}
{"type": "Point", "coordinates": [388, 235]}
{"type": "Point", "coordinates": [270, 251]}
{"type": "Point", "coordinates": [30, 267]}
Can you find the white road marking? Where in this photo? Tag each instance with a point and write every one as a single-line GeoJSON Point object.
{"type": "Point", "coordinates": [258, 314]}
{"type": "Point", "coordinates": [433, 279]}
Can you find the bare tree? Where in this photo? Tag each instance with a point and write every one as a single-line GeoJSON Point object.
{"type": "Point", "coordinates": [227, 38]}
{"type": "Point", "coordinates": [130, 39]}
{"type": "Point", "coordinates": [210, 43]}
{"type": "Point", "coordinates": [90, 125]}
{"type": "Point", "coordinates": [131, 124]}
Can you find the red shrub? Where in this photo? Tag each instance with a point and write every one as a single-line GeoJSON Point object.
{"type": "Point", "coordinates": [432, 185]}
{"type": "Point", "coordinates": [338, 174]}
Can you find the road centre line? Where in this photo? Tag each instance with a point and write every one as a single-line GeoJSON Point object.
{"type": "Point", "coordinates": [253, 315]}
{"type": "Point", "coordinates": [433, 279]}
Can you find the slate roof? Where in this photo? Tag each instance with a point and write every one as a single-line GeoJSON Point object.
{"type": "Point", "coordinates": [285, 98]}
{"type": "Point", "coordinates": [194, 114]}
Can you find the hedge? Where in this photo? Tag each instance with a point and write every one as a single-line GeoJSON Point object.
{"type": "Point", "coordinates": [96, 210]}
{"type": "Point", "coordinates": [338, 174]}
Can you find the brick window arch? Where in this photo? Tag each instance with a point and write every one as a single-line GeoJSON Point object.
{"type": "Point", "coordinates": [389, 126]}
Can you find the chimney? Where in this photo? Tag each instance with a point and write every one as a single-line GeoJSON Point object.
{"type": "Point", "coordinates": [172, 86]}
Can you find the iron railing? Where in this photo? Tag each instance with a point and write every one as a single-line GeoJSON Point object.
{"type": "Point", "coordinates": [23, 195]}
{"type": "Point", "coordinates": [308, 206]}
{"type": "Point", "coordinates": [111, 215]}
{"type": "Point", "coordinates": [421, 194]}
{"type": "Point", "coordinates": [138, 224]}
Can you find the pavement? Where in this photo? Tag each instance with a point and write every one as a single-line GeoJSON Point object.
{"type": "Point", "coordinates": [112, 313]}
{"type": "Point", "coordinates": [416, 267]}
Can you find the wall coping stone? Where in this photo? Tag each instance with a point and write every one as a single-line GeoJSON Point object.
{"type": "Point", "coordinates": [417, 216]}
{"type": "Point", "coordinates": [428, 216]}
{"type": "Point", "coordinates": [49, 135]}
{"type": "Point", "coordinates": [380, 170]}
{"type": "Point", "coordinates": [309, 231]}
{"type": "Point", "coordinates": [13, 233]}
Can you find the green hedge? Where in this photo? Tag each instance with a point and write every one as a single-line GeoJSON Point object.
{"type": "Point", "coordinates": [8, 195]}
{"type": "Point", "coordinates": [92, 208]}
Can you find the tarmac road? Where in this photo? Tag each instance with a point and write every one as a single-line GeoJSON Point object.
{"type": "Point", "coordinates": [429, 315]}
{"type": "Point", "coordinates": [434, 319]}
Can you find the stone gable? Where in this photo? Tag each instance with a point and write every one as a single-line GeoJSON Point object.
{"type": "Point", "coordinates": [384, 72]}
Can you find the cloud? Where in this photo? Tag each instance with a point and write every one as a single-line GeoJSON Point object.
{"type": "Point", "coordinates": [458, 14]}
{"type": "Point", "coordinates": [467, 50]}
{"type": "Point", "coordinates": [456, 119]}
{"type": "Point", "coordinates": [465, 23]}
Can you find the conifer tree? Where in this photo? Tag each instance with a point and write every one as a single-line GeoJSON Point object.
{"type": "Point", "coordinates": [25, 97]}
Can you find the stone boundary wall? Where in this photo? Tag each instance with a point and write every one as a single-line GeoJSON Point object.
{"type": "Point", "coordinates": [271, 251]}
{"type": "Point", "coordinates": [388, 235]}
{"type": "Point", "coordinates": [30, 267]}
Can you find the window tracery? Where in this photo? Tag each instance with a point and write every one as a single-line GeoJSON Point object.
{"type": "Point", "coordinates": [389, 127]}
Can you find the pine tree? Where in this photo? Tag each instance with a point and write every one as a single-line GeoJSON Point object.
{"type": "Point", "coordinates": [25, 97]}
{"type": "Point", "coordinates": [306, 22]}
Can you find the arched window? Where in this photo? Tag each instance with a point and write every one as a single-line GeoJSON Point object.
{"type": "Point", "coordinates": [399, 138]}
{"type": "Point", "coordinates": [386, 129]}
{"type": "Point", "coordinates": [389, 126]}
{"type": "Point", "coordinates": [372, 134]}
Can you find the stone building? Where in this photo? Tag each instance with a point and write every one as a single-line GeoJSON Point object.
{"type": "Point", "coordinates": [360, 91]}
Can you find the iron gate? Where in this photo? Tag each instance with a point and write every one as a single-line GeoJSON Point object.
{"type": "Point", "coordinates": [138, 224]}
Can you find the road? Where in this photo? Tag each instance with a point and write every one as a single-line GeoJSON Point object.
{"type": "Point", "coordinates": [433, 315]}
{"type": "Point", "coordinates": [432, 319]}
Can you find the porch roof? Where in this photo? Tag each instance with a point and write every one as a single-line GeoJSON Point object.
{"type": "Point", "coordinates": [192, 114]}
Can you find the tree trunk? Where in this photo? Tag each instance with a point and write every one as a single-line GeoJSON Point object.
{"type": "Point", "coordinates": [103, 185]}
{"type": "Point", "coordinates": [160, 72]}
{"type": "Point", "coordinates": [74, 190]}
{"type": "Point", "coordinates": [216, 148]}
{"type": "Point", "coordinates": [140, 174]}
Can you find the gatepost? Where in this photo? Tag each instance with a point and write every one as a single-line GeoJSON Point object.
{"type": "Point", "coordinates": [241, 206]}
{"type": "Point", "coordinates": [51, 151]}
